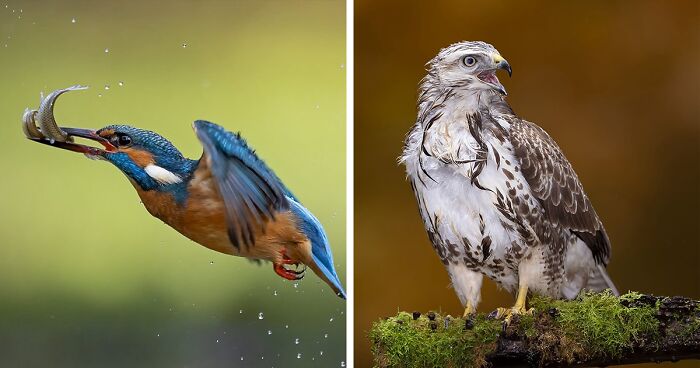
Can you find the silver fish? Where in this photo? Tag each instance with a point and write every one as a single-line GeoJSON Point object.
{"type": "Point", "coordinates": [29, 125]}
{"type": "Point", "coordinates": [44, 116]}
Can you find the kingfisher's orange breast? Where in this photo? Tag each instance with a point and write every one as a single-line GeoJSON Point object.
{"type": "Point", "coordinates": [202, 218]}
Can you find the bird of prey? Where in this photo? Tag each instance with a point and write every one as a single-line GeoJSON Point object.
{"type": "Point", "coordinates": [228, 200]}
{"type": "Point", "coordinates": [495, 192]}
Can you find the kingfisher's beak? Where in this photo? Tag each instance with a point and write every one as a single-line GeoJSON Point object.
{"type": "Point", "coordinates": [81, 133]}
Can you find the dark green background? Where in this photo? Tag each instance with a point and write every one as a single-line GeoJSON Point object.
{"type": "Point", "coordinates": [616, 84]}
{"type": "Point", "coordinates": [87, 277]}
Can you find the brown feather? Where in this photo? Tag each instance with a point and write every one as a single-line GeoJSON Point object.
{"type": "Point", "coordinates": [556, 185]}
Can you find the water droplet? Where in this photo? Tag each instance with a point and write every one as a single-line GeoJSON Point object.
{"type": "Point", "coordinates": [274, 293]}
{"type": "Point", "coordinates": [325, 336]}
{"type": "Point", "coordinates": [107, 87]}
{"type": "Point", "coordinates": [211, 262]}
{"type": "Point", "coordinates": [286, 326]}
{"type": "Point", "coordinates": [298, 355]}
{"type": "Point", "coordinates": [184, 45]}
{"type": "Point", "coordinates": [296, 285]}
{"type": "Point", "coordinates": [72, 20]}
{"type": "Point", "coordinates": [330, 320]}
{"type": "Point", "coordinates": [342, 364]}
{"type": "Point", "coordinates": [240, 311]}
{"type": "Point", "coordinates": [121, 84]}
{"type": "Point", "coordinates": [321, 352]}
{"type": "Point", "coordinates": [269, 332]}
{"type": "Point", "coordinates": [260, 315]}
{"type": "Point", "coordinates": [296, 341]}
{"type": "Point", "coordinates": [106, 51]}
{"type": "Point", "coordinates": [217, 340]}
{"type": "Point", "coordinates": [158, 335]}
{"type": "Point", "coordinates": [241, 358]}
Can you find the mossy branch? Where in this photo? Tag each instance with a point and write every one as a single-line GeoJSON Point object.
{"type": "Point", "coordinates": [593, 330]}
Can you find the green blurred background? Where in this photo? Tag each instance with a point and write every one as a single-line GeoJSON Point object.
{"type": "Point", "coordinates": [616, 83]}
{"type": "Point", "coordinates": [87, 277]}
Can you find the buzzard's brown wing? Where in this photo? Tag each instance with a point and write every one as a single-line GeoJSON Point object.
{"type": "Point", "coordinates": [554, 182]}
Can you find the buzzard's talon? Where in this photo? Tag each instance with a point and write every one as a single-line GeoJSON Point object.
{"type": "Point", "coordinates": [518, 309]}
{"type": "Point", "coordinates": [507, 314]}
{"type": "Point", "coordinates": [469, 311]}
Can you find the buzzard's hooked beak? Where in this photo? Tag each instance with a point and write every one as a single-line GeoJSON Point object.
{"type": "Point", "coordinates": [489, 76]}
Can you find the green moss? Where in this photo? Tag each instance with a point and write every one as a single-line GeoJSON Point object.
{"type": "Point", "coordinates": [402, 342]}
{"type": "Point", "coordinates": [599, 324]}
{"type": "Point", "coordinates": [594, 325]}
{"type": "Point", "coordinates": [690, 329]}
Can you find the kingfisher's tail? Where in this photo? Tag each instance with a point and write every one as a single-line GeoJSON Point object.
{"type": "Point", "coordinates": [328, 275]}
{"type": "Point", "coordinates": [321, 254]}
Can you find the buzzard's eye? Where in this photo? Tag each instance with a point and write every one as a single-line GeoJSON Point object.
{"type": "Point", "coordinates": [469, 60]}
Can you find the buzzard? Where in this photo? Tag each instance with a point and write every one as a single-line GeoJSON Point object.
{"type": "Point", "coordinates": [496, 194]}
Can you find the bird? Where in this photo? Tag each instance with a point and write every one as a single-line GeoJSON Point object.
{"type": "Point", "coordinates": [228, 200]}
{"type": "Point", "coordinates": [496, 194]}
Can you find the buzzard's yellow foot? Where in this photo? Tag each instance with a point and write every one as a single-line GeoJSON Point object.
{"type": "Point", "coordinates": [506, 314]}
{"type": "Point", "coordinates": [518, 309]}
{"type": "Point", "coordinates": [469, 311]}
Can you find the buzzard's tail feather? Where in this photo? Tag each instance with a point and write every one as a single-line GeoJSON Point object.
{"type": "Point", "coordinates": [602, 281]}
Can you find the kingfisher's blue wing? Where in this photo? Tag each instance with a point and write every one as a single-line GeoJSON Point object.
{"type": "Point", "coordinates": [252, 193]}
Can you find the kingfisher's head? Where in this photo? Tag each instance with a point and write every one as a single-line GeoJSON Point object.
{"type": "Point", "coordinates": [147, 158]}
{"type": "Point", "coordinates": [469, 65]}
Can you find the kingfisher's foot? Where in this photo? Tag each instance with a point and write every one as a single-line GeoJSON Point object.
{"type": "Point", "coordinates": [289, 268]}
{"type": "Point", "coordinates": [288, 273]}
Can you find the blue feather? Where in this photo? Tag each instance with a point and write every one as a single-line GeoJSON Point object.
{"type": "Point", "coordinates": [320, 247]}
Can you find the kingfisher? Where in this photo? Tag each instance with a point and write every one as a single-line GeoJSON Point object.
{"type": "Point", "coordinates": [228, 200]}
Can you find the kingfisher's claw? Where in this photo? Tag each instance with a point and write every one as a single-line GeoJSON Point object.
{"type": "Point", "coordinates": [289, 274]}
{"type": "Point", "coordinates": [284, 268]}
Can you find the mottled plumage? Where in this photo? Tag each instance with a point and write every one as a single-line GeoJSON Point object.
{"type": "Point", "coordinates": [496, 194]}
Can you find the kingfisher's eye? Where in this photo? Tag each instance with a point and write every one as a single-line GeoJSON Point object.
{"type": "Point", "coordinates": [120, 140]}
{"type": "Point", "coordinates": [469, 60]}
